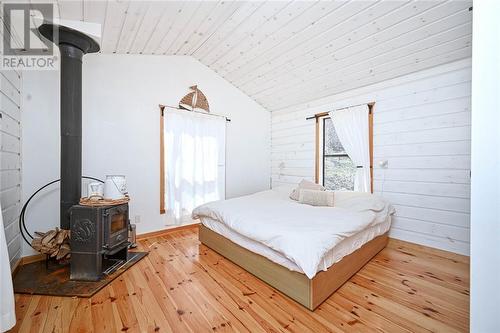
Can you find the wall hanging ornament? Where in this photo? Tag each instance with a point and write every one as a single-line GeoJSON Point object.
{"type": "Point", "coordinates": [195, 100]}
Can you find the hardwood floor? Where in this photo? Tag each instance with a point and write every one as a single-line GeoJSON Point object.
{"type": "Point", "coordinates": [185, 287]}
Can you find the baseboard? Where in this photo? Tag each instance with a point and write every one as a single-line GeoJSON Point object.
{"type": "Point", "coordinates": [27, 260]}
{"type": "Point", "coordinates": [33, 258]}
{"type": "Point", "coordinates": [162, 232]}
{"type": "Point", "coordinates": [394, 242]}
{"type": "Point", "coordinates": [15, 269]}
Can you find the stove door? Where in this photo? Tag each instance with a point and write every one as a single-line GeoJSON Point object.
{"type": "Point", "coordinates": [116, 222]}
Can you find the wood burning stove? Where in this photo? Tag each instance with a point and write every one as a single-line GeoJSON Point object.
{"type": "Point", "coordinates": [99, 234]}
{"type": "Point", "coordinates": [99, 240]}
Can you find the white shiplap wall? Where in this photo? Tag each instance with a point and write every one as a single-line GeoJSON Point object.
{"type": "Point", "coordinates": [10, 159]}
{"type": "Point", "coordinates": [422, 127]}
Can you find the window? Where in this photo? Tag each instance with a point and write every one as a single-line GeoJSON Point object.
{"type": "Point", "coordinates": [192, 161]}
{"type": "Point", "coordinates": [333, 166]}
{"type": "Point", "coordinates": [338, 170]}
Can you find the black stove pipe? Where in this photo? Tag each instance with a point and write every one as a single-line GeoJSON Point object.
{"type": "Point", "coordinates": [73, 45]}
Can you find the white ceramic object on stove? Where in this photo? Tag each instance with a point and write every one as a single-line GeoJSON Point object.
{"type": "Point", "coordinates": [95, 189]}
{"type": "Point", "coordinates": [115, 187]}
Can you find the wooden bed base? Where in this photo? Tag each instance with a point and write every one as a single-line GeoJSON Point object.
{"type": "Point", "coordinates": [308, 292]}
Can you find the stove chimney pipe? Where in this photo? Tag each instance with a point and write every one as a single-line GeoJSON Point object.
{"type": "Point", "coordinates": [73, 45]}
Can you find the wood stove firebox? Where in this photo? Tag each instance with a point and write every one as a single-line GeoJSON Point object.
{"type": "Point", "coordinates": [99, 240]}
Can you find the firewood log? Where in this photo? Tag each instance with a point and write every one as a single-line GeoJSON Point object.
{"type": "Point", "coordinates": [37, 244]}
{"type": "Point", "coordinates": [49, 236]}
{"type": "Point", "coordinates": [61, 237]}
{"type": "Point", "coordinates": [64, 250]}
{"type": "Point", "coordinates": [54, 243]}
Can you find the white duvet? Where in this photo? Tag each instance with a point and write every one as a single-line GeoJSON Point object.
{"type": "Point", "coordinates": [302, 233]}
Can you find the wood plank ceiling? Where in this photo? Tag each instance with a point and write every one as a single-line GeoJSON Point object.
{"type": "Point", "coordinates": [283, 53]}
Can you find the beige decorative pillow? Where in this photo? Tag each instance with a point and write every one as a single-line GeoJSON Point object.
{"type": "Point", "coordinates": [305, 185]}
{"type": "Point", "coordinates": [316, 198]}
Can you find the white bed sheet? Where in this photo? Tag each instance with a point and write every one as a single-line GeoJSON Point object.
{"type": "Point", "coordinates": [301, 233]}
{"type": "Point", "coordinates": [344, 248]}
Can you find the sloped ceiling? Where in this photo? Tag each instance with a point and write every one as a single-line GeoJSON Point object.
{"type": "Point", "coordinates": [283, 53]}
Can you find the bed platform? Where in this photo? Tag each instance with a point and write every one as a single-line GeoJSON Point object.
{"type": "Point", "coordinates": [308, 292]}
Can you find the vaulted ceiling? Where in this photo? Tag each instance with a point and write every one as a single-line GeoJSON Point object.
{"type": "Point", "coordinates": [283, 53]}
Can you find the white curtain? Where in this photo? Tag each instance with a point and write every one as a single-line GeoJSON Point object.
{"type": "Point", "coordinates": [194, 160]}
{"type": "Point", "coordinates": [7, 308]}
{"type": "Point", "coordinates": [351, 126]}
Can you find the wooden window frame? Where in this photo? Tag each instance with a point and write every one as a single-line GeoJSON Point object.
{"type": "Point", "coordinates": [162, 159]}
{"type": "Point", "coordinates": [324, 115]}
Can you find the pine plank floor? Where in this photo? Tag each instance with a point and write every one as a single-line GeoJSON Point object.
{"type": "Point", "coordinates": [182, 286]}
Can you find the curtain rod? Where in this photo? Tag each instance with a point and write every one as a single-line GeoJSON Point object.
{"type": "Point", "coordinates": [322, 114]}
{"type": "Point", "coordinates": [177, 108]}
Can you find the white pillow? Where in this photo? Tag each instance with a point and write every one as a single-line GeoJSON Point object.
{"type": "Point", "coordinates": [305, 185]}
{"type": "Point", "coordinates": [316, 198]}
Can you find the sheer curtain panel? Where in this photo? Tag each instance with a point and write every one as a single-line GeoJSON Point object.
{"type": "Point", "coordinates": [351, 125]}
{"type": "Point", "coordinates": [194, 162]}
{"type": "Point", "coordinates": [7, 310]}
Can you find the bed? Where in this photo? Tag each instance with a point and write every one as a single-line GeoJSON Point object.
{"type": "Point", "coordinates": [306, 252]}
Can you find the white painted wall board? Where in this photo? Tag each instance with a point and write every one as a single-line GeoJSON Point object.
{"type": "Point", "coordinates": [150, 23]}
{"type": "Point", "coordinates": [239, 69]}
{"type": "Point", "coordinates": [177, 26]}
{"type": "Point", "coordinates": [387, 38]}
{"type": "Point", "coordinates": [121, 94]}
{"type": "Point", "coordinates": [115, 14]}
{"type": "Point", "coordinates": [263, 33]}
{"type": "Point", "coordinates": [192, 28]}
{"type": "Point", "coordinates": [422, 128]}
{"type": "Point", "coordinates": [288, 94]}
{"type": "Point", "coordinates": [210, 25]}
{"type": "Point", "coordinates": [133, 20]}
{"type": "Point", "coordinates": [226, 28]}
{"type": "Point", "coordinates": [172, 10]}
{"type": "Point", "coordinates": [10, 178]}
{"type": "Point", "coordinates": [10, 159]}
